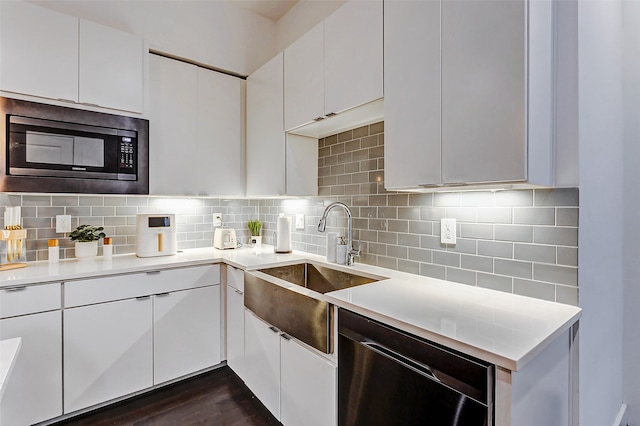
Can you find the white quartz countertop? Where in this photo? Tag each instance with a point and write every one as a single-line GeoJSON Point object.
{"type": "Point", "coordinates": [505, 329]}
{"type": "Point", "coordinates": [9, 349]}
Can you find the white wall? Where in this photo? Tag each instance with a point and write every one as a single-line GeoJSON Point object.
{"type": "Point", "coordinates": [631, 23]}
{"type": "Point", "coordinates": [211, 32]}
{"type": "Point", "coordinates": [601, 211]}
{"type": "Point", "coordinates": [303, 16]}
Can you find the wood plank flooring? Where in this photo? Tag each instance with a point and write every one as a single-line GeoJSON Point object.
{"type": "Point", "coordinates": [217, 397]}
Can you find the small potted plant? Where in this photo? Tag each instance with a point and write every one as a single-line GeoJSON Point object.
{"type": "Point", "coordinates": [254, 228]}
{"type": "Point", "coordinates": [86, 238]}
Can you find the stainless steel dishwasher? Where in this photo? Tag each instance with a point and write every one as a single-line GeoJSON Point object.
{"type": "Point", "coordinates": [389, 377]}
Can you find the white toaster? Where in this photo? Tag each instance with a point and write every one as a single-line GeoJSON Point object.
{"type": "Point", "coordinates": [224, 238]}
{"type": "Point", "coordinates": [156, 235]}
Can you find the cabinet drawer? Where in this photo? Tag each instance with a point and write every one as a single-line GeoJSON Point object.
{"type": "Point", "coordinates": [117, 287]}
{"type": "Point", "coordinates": [235, 278]}
{"type": "Point", "coordinates": [24, 300]}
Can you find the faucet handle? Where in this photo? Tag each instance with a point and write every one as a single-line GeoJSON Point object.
{"type": "Point", "coordinates": [353, 252]}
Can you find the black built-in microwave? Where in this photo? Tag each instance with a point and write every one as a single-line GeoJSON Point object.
{"type": "Point", "coordinates": [50, 148]}
{"type": "Point", "coordinates": [60, 149]}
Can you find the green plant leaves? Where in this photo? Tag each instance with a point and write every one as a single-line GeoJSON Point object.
{"type": "Point", "coordinates": [86, 233]}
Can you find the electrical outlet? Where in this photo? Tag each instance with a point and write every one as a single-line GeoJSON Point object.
{"type": "Point", "coordinates": [217, 219]}
{"type": "Point", "coordinates": [300, 221]}
{"type": "Point", "coordinates": [448, 231]}
{"type": "Point", "coordinates": [63, 223]}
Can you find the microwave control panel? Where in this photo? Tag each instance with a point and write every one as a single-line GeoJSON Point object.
{"type": "Point", "coordinates": [127, 154]}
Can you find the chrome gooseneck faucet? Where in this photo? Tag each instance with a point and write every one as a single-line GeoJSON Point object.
{"type": "Point", "coordinates": [351, 253]}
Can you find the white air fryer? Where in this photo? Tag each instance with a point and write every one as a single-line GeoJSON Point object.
{"type": "Point", "coordinates": [156, 235]}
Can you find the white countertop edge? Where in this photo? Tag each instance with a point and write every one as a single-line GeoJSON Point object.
{"type": "Point", "coordinates": [474, 351]}
{"type": "Point", "coordinates": [9, 349]}
{"type": "Point", "coordinates": [249, 259]}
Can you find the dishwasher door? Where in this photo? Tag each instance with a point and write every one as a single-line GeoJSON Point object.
{"type": "Point", "coordinates": [388, 377]}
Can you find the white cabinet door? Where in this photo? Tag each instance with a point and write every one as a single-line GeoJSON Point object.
{"type": "Point", "coordinates": [34, 389]}
{"type": "Point", "coordinates": [353, 55]}
{"type": "Point", "coordinates": [302, 165]}
{"type": "Point", "coordinates": [308, 394]}
{"type": "Point", "coordinates": [265, 130]}
{"type": "Point", "coordinates": [196, 135]}
{"type": "Point", "coordinates": [304, 79]}
{"type": "Point", "coordinates": [271, 157]}
{"type": "Point", "coordinates": [107, 352]}
{"type": "Point", "coordinates": [38, 51]}
{"type": "Point", "coordinates": [186, 332]}
{"type": "Point", "coordinates": [412, 93]}
{"type": "Point", "coordinates": [235, 320]}
{"type": "Point", "coordinates": [483, 91]}
{"type": "Point", "coordinates": [111, 67]}
{"type": "Point", "coordinates": [262, 361]}
{"type": "Point", "coordinates": [220, 122]}
{"type": "Point", "coordinates": [173, 109]}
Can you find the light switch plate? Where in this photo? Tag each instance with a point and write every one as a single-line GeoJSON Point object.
{"type": "Point", "coordinates": [448, 231]}
{"type": "Point", "coordinates": [63, 223]}
{"type": "Point", "coordinates": [299, 221]}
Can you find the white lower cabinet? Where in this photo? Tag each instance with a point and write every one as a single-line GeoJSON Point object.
{"type": "Point", "coordinates": [107, 351]}
{"type": "Point", "coordinates": [186, 332]}
{"type": "Point", "coordinates": [262, 361]}
{"type": "Point", "coordinates": [127, 333]}
{"type": "Point", "coordinates": [33, 391]}
{"type": "Point", "coordinates": [298, 386]}
{"type": "Point", "coordinates": [308, 384]}
{"type": "Point", "coordinates": [235, 320]}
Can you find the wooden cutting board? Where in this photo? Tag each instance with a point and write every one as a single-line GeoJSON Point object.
{"type": "Point", "coordinates": [12, 266]}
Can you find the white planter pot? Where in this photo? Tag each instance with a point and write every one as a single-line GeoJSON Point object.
{"type": "Point", "coordinates": [86, 250]}
{"type": "Point", "coordinates": [256, 240]}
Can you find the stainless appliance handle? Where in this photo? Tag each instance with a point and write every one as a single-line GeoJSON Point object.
{"type": "Point", "coordinates": [416, 366]}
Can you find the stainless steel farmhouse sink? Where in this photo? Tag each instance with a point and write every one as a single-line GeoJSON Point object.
{"type": "Point", "coordinates": [301, 314]}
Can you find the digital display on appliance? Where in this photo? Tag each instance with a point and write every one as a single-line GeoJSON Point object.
{"type": "Point", "coordinates": [159, 222]}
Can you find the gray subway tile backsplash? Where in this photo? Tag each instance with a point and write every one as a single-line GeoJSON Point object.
{"type": "Point", "coordinates": [519, 241]}
{"type": "Point", "coordinates": [535, 252]}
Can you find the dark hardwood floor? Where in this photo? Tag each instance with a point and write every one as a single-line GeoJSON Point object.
{"type": "Point", "coordinates": [217, 397]}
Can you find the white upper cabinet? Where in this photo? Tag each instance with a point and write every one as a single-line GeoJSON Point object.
{"type": "Point", "coordinates": [469, 94]}
{"type": "Point", "coordinates": [69, 59]}
{"type": "Point", "coordinates": [221, 134]}
{"type": "Point", "coordinates": [483, 91]}
{"type": "Point", "coordinates": [272, 167]}
{"type": "Point", "coordinates": [412, 93]}
{"type": "Point", "coordinates": [335, 67]}
{"type": "Point", "coordinates": [353, 55]}
{"type": "Point", "coordinates": [195, 130]}
{"type": "Point", "coordinates": [265, 132]}
{"type": "Point", "coordinates": [38, 51]}
{"type": "Point", "coordinates": [301, 165]}
{"type": "Point", "coordinates": [304, 79]}
{"type": "Point", "coordinates": [172, 110]}
{"type": "Point", "coordinates": [111, 67]}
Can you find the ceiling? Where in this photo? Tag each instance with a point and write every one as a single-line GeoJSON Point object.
{"type": "Point", "coordinates": [272, 9]}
